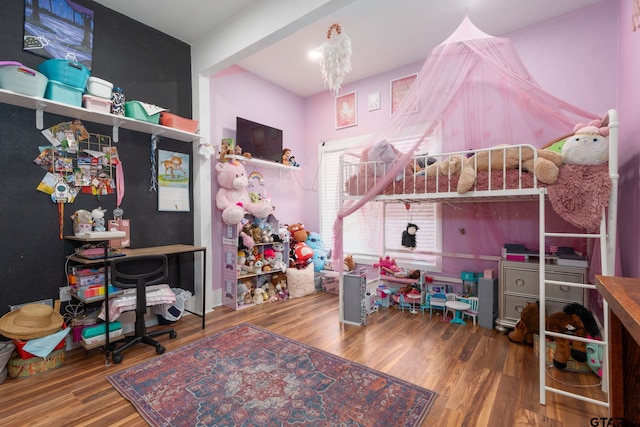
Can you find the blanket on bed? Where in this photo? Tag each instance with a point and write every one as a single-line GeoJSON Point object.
{"type": "Point", "coordinates": [579, 195]}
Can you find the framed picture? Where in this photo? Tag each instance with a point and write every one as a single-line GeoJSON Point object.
{"type": "Point", "coordinates": [374, 101]}
{"type": "Point", "coordinates": [399, 90]}
{"type": "Point", "coordinates": [346, 110]}
{"type": "Point", "coordinates": [61, 30]}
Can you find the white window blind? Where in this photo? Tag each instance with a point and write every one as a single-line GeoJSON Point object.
{"type": "Point", "coordinates": [376, 229]}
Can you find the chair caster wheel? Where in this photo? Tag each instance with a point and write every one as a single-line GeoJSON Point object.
{"type": "Point", "coordinates": [160, 349]}
{"type": "Point", "coordinates": [172, 334]}
{"type": "Point", "coordinates": [117, 358]}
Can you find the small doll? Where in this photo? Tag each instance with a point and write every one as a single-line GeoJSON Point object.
{"type": "Point", "coordinates": [286, 154]}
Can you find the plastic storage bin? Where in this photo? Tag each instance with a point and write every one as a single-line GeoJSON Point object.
{"type": "Point", "coordinates": [60, 92]}
{"type": "Point", "coordinates": [177, 122]}
{"type": "Point", "coordinates": [99, 87]}
{"type": "Point", "coordinates": [95, 334]}
{"type": "Point", "coordinates": [24, 80]}
{"type": "Point", "coordinates": [65, 71]}
{"type": "Point", "coordinates": [95, 103]}
{"type": "Point", "coordinates": [135, 110]}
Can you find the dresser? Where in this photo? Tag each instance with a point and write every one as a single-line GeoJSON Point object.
{"type": "Point", "coordinates": [519, 284]}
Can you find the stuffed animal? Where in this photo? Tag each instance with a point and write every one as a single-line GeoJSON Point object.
{"type": "Point", "coordinates": [575, 319]}
{"type": "Point", "coordinates": [506, 158]}
{"type": "Point", "coordinates": [349, 263]}
{"type": "Point", "coordinates": [448, 166]}
{"type": "Point", "coordinates": [258, 296]}
{"type": "Point", "coordinates": [588, 146]}
{"type": "Point", "coordinates": [387, 266]}
{"type": "Point", "coordinates": [320, 259]}
{"type": "Point", "coordinates": [384, 155]}
{"type": "Point", "coordinates": [298, 233]}
{"type": "Point", "coordinates": [314, 241]}
{"type": "Point", "coordinates": [409, 236]}
{"type": "Point", "coordinates": [242, 291]}
{"type": "Point", "coordinates": [233, 198]}
{"type": "Point", "coordinates": [303, 255]}
{"type": "Point", "coordinates": [279, 283]}
{"type": "Point", "coordinates": [98, 219]}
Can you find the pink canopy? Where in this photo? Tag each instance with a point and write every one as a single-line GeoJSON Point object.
{"type": "Point", "coordinates": [476, 89]}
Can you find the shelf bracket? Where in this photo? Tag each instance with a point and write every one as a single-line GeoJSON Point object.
{"type": "Point", "coordinates": [116, 129]}
{"type": "Point", "coordinates": [40, 116]}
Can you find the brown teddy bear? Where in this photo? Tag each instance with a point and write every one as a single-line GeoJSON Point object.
{"type": "Point", "coordinates": [570, 321]}
{"type": "Point", "coordinates": [545, 167]}
{"type": "Point", "coordinates": [298, 232]}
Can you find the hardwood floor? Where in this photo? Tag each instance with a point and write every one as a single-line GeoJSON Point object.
{"type": "Point", "coordinates": [482, 379]}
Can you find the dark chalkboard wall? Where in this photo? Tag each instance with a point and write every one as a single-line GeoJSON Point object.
{"type": "Point", "coordinates": [150, 66]}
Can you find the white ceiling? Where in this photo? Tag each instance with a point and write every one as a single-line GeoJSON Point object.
{"type": "Point", "coordinates": [385, 34]}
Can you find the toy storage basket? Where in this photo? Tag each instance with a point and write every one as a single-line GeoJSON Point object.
{"type": "Point", "coordinates": [6, 349]}
{"type": "Point", "coordinates": [66, 71]}
{"type": "Point", "coordinates": [21, 79]}
{"type": "Point", "coordinates": [300, 281]}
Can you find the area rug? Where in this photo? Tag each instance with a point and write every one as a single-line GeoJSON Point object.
{"type": "Point", "coordinates": [248, 376]}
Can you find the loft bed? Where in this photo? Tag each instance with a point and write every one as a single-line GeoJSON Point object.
{"type": "Point", "coordinates": [585, 196]}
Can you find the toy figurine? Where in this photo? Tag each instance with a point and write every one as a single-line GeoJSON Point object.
{"type": "Point", "coordinates": [98, 219]}
{"type": "Point", "coordinates": [286, 154]}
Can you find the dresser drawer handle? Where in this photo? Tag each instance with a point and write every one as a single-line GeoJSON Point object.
{"type": "Point", "coordinates": [565, 288]}
{"type": "Point", "coordinates": [520, 282]}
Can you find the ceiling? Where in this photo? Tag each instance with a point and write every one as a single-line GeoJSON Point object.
{"type": "Point", "coordinates": [385, 34]}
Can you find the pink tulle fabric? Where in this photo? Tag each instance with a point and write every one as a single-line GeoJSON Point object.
{"type": "Point", "coordinates": [476, 89]}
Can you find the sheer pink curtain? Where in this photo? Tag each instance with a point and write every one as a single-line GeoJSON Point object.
{"type": "Point", "coordinates": [476, 87]}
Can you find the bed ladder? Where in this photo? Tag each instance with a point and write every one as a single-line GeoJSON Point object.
{"type": "Point", "coordinates": [607, 237]}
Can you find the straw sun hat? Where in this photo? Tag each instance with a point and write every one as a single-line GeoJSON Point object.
{"type": "Point", "coordinates": [30, 321]}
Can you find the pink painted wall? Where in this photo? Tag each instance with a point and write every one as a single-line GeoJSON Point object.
{"type": "Point", "coordinates": [236, 92]}
{"type": "Point", "coordinates": [574, 57]}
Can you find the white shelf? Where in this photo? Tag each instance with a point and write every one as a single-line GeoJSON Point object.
{"type": "Point", "coordinates": [41, 105]}
{"type": "Point", "coordinates": [264, 163]}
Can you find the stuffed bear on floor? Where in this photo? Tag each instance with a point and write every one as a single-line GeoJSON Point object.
{"type": "Point", "coordinates": [575, 319]}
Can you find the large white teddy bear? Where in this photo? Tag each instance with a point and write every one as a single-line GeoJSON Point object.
{"type": "Point", "coordinates": [588, 146]}
{"type": "Point", "coordinates": [233, 198]}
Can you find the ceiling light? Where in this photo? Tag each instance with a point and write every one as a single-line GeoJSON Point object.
{"type": "Point", "coordinates": [314, 54]}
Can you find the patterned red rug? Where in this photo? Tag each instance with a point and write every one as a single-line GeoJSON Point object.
{"type": "Point", "coordinates": [248, 376]}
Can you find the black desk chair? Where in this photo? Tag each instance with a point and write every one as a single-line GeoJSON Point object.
{"type": "Point", "coordinates": [139, 272]}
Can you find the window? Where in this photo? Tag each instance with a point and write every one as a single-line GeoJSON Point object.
{"type": "Point", "coordinates": [376, 229]}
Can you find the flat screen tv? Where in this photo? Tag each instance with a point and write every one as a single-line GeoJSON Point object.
{"type": "Point", "coordinates": [262, 141]}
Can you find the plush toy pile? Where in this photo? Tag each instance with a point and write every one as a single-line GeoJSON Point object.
{"type": "Point", "coordinates": [233, 198]}
{"type": "Point", "coordinates": [575, 320]}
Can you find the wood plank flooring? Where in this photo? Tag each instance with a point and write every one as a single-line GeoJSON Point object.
{"type": "Point", "coordinates": [482, 379]}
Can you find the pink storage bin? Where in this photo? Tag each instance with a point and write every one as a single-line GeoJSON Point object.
{"type": "Point", "coordinates": [96, 103]}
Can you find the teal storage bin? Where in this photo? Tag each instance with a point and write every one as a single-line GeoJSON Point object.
{"type": "Point", "coordinates": [96, 330]}
{"type": "Point", "coordinates": [135, 110]}
{"type": "Point", "coordinates": [66, 94]}
{"type": "Point", "coordinates": [66, 71]}
{"type": "Point", "coordinates": [469, 276]}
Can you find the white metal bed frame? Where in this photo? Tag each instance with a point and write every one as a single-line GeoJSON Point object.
{"type": "Point", "coordinates": [350, 162]}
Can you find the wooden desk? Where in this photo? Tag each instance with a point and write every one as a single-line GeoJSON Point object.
{"type": "Point", "coordinates": [623, 296]}
{"type": "Point", "coordinates": [163, 250]}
